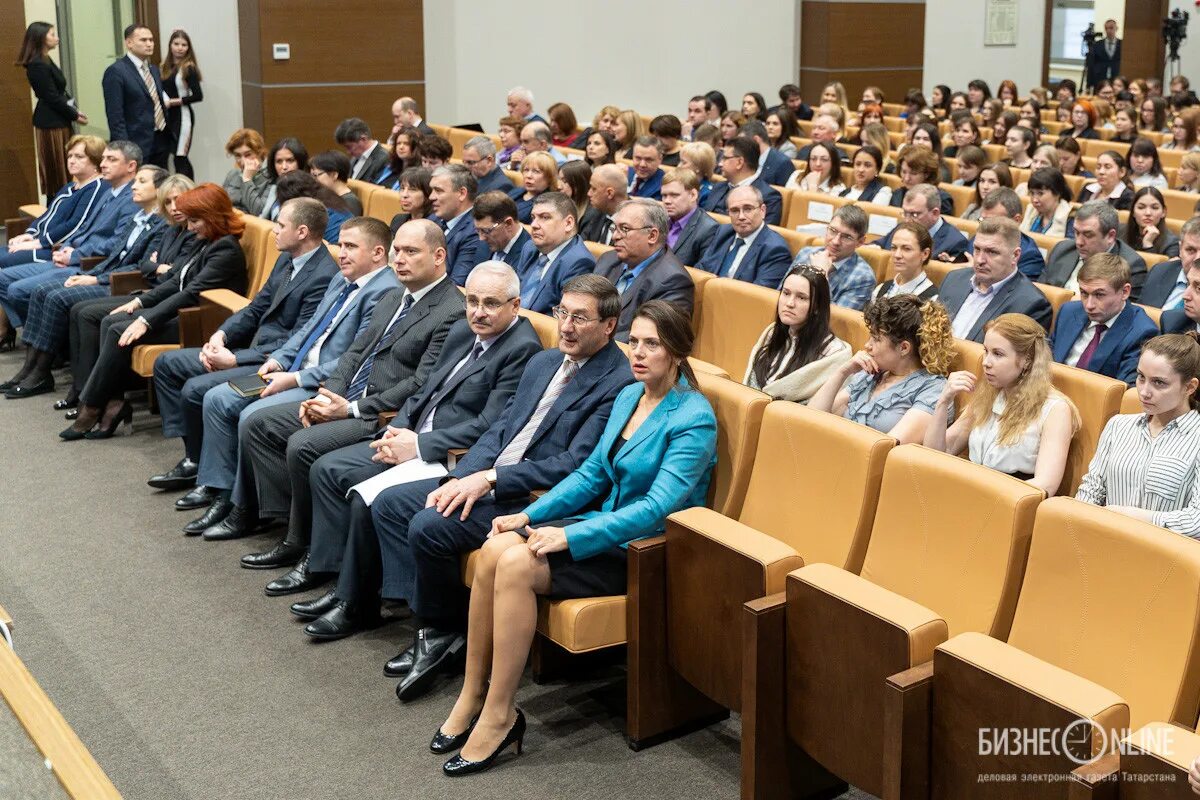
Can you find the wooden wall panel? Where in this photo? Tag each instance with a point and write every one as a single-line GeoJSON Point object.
{"type": "Point", "coordinates": [312, 114]}
{"type": "Point", "coordinates": [18, 164]}
{"type": "Point", "coordinates": [1143, 51]}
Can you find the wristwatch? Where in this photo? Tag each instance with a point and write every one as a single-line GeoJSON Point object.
{"type": "Point", "coordinates": [490, 477]}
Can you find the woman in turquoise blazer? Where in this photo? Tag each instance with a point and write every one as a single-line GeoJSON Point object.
{"type": "Point", "coordinates": [654, 458]}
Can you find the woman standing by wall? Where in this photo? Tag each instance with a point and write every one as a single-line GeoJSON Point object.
{"type": "Point", "coordinates": [55, 111]}
{"type": "Point", "coordinates": [181, 82]}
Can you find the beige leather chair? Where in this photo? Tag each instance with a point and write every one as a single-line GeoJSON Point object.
{"type": "Point", "coordinates": [687, 587]}
{"type": "Point", "coordinates": [736, 312]}
{"type": "Point", "coordinates": [383, 204]}
{"type": "Point", "coordinates": [545, 325]}
{"type": "Point", "coordinates": [879, 259]}
{"type": "Point", "coordinates": [1130, 404]}
{"type": "Point", "coordinates": [848, 325]}
{"type": "Point", "coordinates": [945, 556]}
{"type": "Point", "coordinates": [699, 278]}
{"type": "Point", "coordinates": [1098, 398]}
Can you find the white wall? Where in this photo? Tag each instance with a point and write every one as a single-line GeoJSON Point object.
{"type": "Point", "coordinates": [473, 54]}
{"type": "Point", "coordinates": [1189, 51]}
{"type": "Point", "coordinates": [954, 51]}
{"type": "Point", "coordinates": [213, 27]}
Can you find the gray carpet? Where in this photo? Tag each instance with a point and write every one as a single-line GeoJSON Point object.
{"type": "Point", "coordinates": [185, 681]}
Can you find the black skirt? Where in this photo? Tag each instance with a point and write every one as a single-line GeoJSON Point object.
{"type": "Point", "coordinates": [598, 576]}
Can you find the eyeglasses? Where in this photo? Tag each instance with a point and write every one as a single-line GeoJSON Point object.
{"type": "Point", "coordinates": [578, 320]}
{"type": "Point", "coordinates": [488, 230]}
{"type": "Point", "coordinates": [841, 236]}
{"type": "Point", "coordinates": [489, 304]}
{"type": "Point", "coordinates": [742, 211]}
{"type": "Point", "coordinates": [469, 164]}
{"type": "Point", "coordinates": [625, 230]}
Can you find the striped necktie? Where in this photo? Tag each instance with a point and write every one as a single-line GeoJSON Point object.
{"type": "Point", "coordinates": [160, 118]}
{"type": "Point", "coordinates": [359, 385]}
{"type": "Point", "coordinates": [320, 327]}
{"type": "Point", "coordinates": [515, 451]}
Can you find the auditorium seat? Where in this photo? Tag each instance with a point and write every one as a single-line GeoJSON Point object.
{"type": "Point", "coordinates": [699, 278]}
{"type": "Point", "coordinates": [799, 211]}
{"type": "Point", "coordinates": [363, 191]}
{"type": "Point", "coordinates": [879, 259]}
{"type": "Point", "coordinates": [847, 324]}
{"type": "Point", "coordinates": [1057, 295]}
{"type": "Point", "coordinates": [1153, 312]}
{"type": "Point", "coordinates": [514, 177]}
{"type": "Point", "coordinates": [963, 196]}
{"type": "Point", "coordinates": [796, 241]}
{"type": "Point", "coordinates": [546, 327]}
{"type": "Point", "coordinates": [1104, 631]}
{"type": "Point", "coordinates": [383, 204]}
{"type": "Point", "coordinates": [945, 556]}
{"type": "Point", "coordinates": [687, 588]}
{"type": "Point", "coordinates": [1098, 398]}
{"type": "Point", "coordinates": [597, 249]}
{"type": "Point", "coordinates": [726, 338]}
{"type": "Point", "coordinates": [1130, 403]}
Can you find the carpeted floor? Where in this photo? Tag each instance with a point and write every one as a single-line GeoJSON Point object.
{"type": "Point", "coordinates": [186, 682]}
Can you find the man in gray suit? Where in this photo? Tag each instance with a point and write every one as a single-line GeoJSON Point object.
{"type": "Point", "coordinates": [692, 229]}
{"type": "Point", "coordinates": [641, 265]}
{"type": "Point", "coordinates": [386, 364]}
{"type": "Point", "coordinates": [296, 369]}
{"type": "Point", "coordinates": [1095, 232]}
{"type": "Point", "coordinates": [992, 286]}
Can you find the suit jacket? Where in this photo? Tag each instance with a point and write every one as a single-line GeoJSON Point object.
{"type": "Point", "coordinates": [716, 200]}
{"type": "Point", "coordinates": [947, 204]}
{"type": "Point", "coordinates": [1117, 354]}
{"type": "Point", "coordinates": [177, 245]}
{"type": "Point", "coordinates": [128, 257]}
{"type": "Point", "coordinates": [1063, 258]}
{"type": "Point", "coordinates": [1160, 282]}
{"type": "Point", "coordinates": [68, 211]}
{"type": "Point", "coordinates": [591, 225]}
{"type": "Point", "coordinates": [695, 238]}
{"type": "Point", "coordinates": [575, 259]}
{"type": "Point", "coordinates": [664, 278]}
{"type": "Point", "coordinates": [565, 436]}
{"type": "Point", "coordinates": [1177, 322]}
{"type": "Point", "coordinates": [220, 264]}
{"type": "Point", "coordinates": [776, 167]}
{"type": "Point", "coordinates": [128, 105]}
{"type": "Point", "coordinates": [947, 240]}
{"type": "Point", "coordinates": [664, 467]}
{"type": "Point", "coordinates": [523, 252]}
{"type": "Point", "coordinates": [377, 162]}
{"type": "Point", "coordinates": [1031, 263]}
{"type": "Point", "coordinates": [1103, 67]}
{"type": "Point", "coordinates": [464, 249]}
{"type": "Point", "coordinates": [279, 308]}
{"type": "Point", "coordinates": [53, 109]}
{"type": "Point", "coordinates": [409, 353]}
{"type": "Point", "coordinates": [765, 262]}
{"type": "Point", "coordinates": [494, 181]}
{"type": "Point", "coordinates": [1018, 296]}
{"type": "Point", "coordinates": [464, 405]}
{"type": "Point", "coordinates": [97, 236]}
{"type": "Point", "coordinates": [651, 188]}
{"type": "Point", "coordinates": [345, 328]}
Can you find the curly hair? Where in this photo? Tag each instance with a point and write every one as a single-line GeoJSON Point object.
{"type": "Point", "coordinates": [923, 324]}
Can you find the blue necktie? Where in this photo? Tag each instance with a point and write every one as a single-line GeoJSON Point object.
{"type": "Point", "coordinates": [363, 375]}
{"type": "Point", "coordinates": [533, 280]}
{"type": "Point", "coordinates": [727, 262]}
{"type": "Point", "coordinates": [624, 281]}
{"type": "Point", "coordinates": [320, 327]}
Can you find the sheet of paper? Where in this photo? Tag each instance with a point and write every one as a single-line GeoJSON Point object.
{"type": "Point", "coordinates": [881, 224]}
{"type": "Point", "coordinates": [409, 471]}
{"type": "Point", "coordinates": [820, 212]}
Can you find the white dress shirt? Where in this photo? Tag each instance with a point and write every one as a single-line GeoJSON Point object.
{"type": "Point", "coordinates": [313, 357]}
{"type": "Point", "coordinates": [974, 305]}
{"type": "Point", "coordinates": [741, 253]}
{"type": "Point", "coordinates": [1085, 338]}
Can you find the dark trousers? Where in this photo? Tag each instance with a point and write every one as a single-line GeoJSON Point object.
{"type": "Point", "coordinates": [180, 382]}
{"type": "Point", "coordinates": [85, 322]}
{"type": "Point", "coordinates": [279, 453]}
{"type": "Point", "coordinates": [330, 477]}
{"type": "Point", "coordinates": [110, 374]}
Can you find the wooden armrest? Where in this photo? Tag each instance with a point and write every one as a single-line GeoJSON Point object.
{"type": "Point", "coordinates": [15, 227]}
{"type": "Point", "coordinates": [907, 725]}
{"type": "Point", "coordinates": [453, 455]}
{"type": "Point", "coordinates": [229, 301]}
{"type": "Point", "coordinates": [1098, 780]}
{"type": "Point", "coordinates": [536, 493]}
{"type": "Point", "coordinates": [764, 727]}
{"type": "Point", "coordinates": [123, 283]}
{"type": "Point", "coordinates": [191, 327]}
{"type": "Point", "coordinates": [767, 558]}
{"type": "Point", "coordinates": [87, 262]}
{"type": "Point", "coordinates": [385, 417]}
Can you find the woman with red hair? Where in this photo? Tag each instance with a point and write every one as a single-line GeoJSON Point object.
{"type": "Point", "coordinates": [153, 316]}
{"type": "Point", "coordinates": [1083, 120]}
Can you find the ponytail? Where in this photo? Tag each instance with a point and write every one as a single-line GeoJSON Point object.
{"type": "Point", "coordinates": [935, 338]}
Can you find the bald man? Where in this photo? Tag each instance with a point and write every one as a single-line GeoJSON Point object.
{"type": "Point", "coordinates": [606, 191]}
{"type": "Point", "coordinates": [406, 114]}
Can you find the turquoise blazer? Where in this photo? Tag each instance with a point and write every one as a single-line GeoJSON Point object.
{"type": "Point", "coordinates": [665, 467]}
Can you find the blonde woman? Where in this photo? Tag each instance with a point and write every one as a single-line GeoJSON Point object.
{"type": "Point", "coordinates": [877, 135]}
{"type": "Point", "coordinates": [1188, 178]}
{"type": "Point", "coordinates": [539, 174]}
{"type": "Point", "coordinates": [626, 128]}
{"type": "Point", "coordinates": [1015, 422]}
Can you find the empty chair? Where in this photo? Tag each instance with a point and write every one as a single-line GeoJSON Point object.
{"type": "Point", "coordinates": [687, 587]}
{"type": "Point", "coordinates": [735, 314]}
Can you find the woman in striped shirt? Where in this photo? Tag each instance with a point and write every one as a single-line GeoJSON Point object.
{"type": "Point", "coordinates": [1146, 464]}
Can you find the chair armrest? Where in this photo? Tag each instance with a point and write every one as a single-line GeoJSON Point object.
{"type": "Point", "coordinates": [453, 455]}
{"type": "Point", "coordinates": [191, 327]}
{"type": "Point", "coordinates": [385, 417]}
{"type": "Point", "coordinates": [1099, 780]}
{"type": "Point", "coordinates": [907, 725]}
{"type": "Point", "coordinates": [87, 262]}
{"type": "Point", "coordinates": [227, 300]}
{"type": "Point", "coordinates": [126, 283]}
{"type": "Point", "coordinates": [15, 227]}
{"type": "Point", "coordinates": [764, 730]}
{"type": "Point", "coordinates": [1154, 762]}
{"type": "Point", "coordinates": [707, 367]}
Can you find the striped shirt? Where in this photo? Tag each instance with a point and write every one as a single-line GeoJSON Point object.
{"type": "Point", "coordinates": [1154, 473]}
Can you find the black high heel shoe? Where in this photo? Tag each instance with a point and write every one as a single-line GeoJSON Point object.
{"type": "Point", "coordinates": [460, 766]}
{"type": "Point", "coordinates": [124, 417]}
{"type": "Point", "coordinates": [444, 743]}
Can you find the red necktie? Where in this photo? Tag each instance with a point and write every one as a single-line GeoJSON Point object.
{"type": "Point", "coordinates": [1090, 350]}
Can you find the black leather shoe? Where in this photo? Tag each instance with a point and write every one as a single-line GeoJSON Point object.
{"type": "Point", "coordinates": [458, 765]}
{"type": "Point", "coordinates": [401, 665]}
{"type": "Point", "coordinates": [72, 414]}
{"type": "Point", "coordinates": [444, 743]}
{"type": "Point", "coordinates": [218, 511]}
{"type": "Point", "coordinates": [434, 652]}
{"type": "Point", "coordinates": [180, 476]}
{"type": "Point", "coordinates": [341, 621]}
{"type": "Point", "coordinates": [70, 401]}
{"type": "Point", "coordinates": [21, 390]}
{"type": "Point", "coordinates": [298, 579]}
{"type": "Point", "coordinates": [279, 556]}
{"type": "Point", "coordinates": [234, 524]}
{"type": "Point", "coordinates": [200, 497]}
{"type": "Point", "coordinates": [318, 607]}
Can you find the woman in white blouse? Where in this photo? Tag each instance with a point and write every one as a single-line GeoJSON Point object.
{"type": "Point", "coordinates": [1016, 421]}
{"type": "Point", "coordinates": [823, 172]}
{"type": "Point", "coordinates": [797, 353]}
{"type": "Point", "coordinates": [911, 249]}
{"type": "Point", "coordinates": [1146, 464]}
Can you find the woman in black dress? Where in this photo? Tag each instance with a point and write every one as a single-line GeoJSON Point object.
{"type": "Point", "coordinates": [181, 82]}
{"type": "Point", "coordinates": [55, 112]}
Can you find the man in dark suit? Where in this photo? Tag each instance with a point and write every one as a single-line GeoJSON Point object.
{"type": "Point", "coordinates": [1167, 281]}
{"type": "Point", "coordinates": [496, 224]}
{"type": "Point", "coordinates": [406, 114]}
{"type": "Point", "coordinates": [773, 166]}
{"type": "Point", "coordinates": [367, 157]}
{"type": "Point", "coordinates": [1096, 226]}
{"type": "Point", "coordinates": [520, 104]}
{"type": "Point", "coordinates": [922, 205]}
{"type": "Point", "coordinates": [692, 229]}
{"type": "Point", "coordinates": [471, 383]}
{"type": "Point", "coordinates": [746, 248]}
{"type": "Point", "coordinates": [550, 427]}
{"type": "Point", "coordinates": [561, 253]}
{"type": "Point", "coordinates": [646, 176]}
{"type": "Point", "coordinates": [1004, 202]}
{"type": "Point", "coordinates": [246, 340]}
{"type": "Point", "coordinates": [387, 363]}
{"type": "Point", "coordinates": [1185, 319]}
{"type": "Point", "coordinates": [1102, 331]}
{"type": "Point", "coordinates": [294, 370]}
{"type": "Point", "coordinates": [452, 190]}
{"type": "Point", "coordinates": [606, 191]}
{"type": "Point", "coordinates": [824, 131]}
{"type": "Point", "coordinates": [479, 156]}
{"type": "Point", "coordinates": [641, 265]}
{"type": "Point", "coordinates": [134, 100]}
{"type": "Point", "coordinates": [992, 286]}
{"type": "Point", "coordinates": [1106, 56]}
{"type": "Point", "coordinates": [739, 164]}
